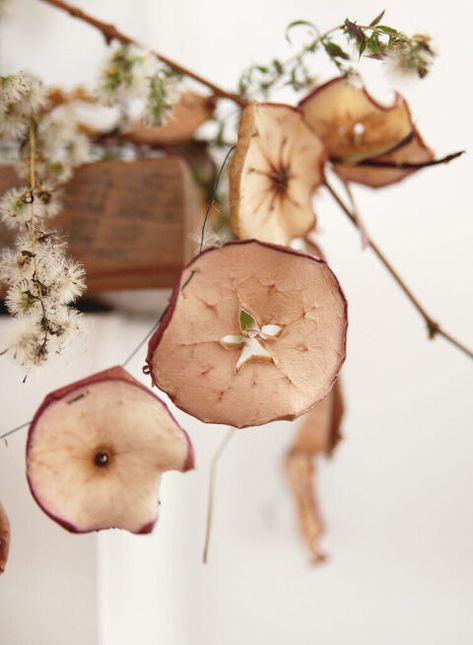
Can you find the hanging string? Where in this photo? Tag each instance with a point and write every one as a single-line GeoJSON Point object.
{"type": "Point", "coordinates": [211, 494]}
{"type": "Point", "coordinates": [158, 322]}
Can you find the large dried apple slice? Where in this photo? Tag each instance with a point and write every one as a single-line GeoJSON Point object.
{"type": "Point", "coordinates": [358, 130]}
{"type": "Point", "coordinates": [4, 538]}
{"type": "Point", "coordinates": [96, 452]}
{"type": "Point", "coordinates": [318, 434]}
{"type": "Point", "coordinates": [277, 165]}
{"type": "Point", "coordinates": [254, 332]}
{"type": "Point", "coordinates": [189, 113]}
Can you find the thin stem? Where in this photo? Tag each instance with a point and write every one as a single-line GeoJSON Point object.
{"type": "Point", "coordinates": [7, 434]}
{"type": "Point", "coordinates": [433, 327]}
{"type": "Point", "coordinates": [110, 33]}
{"type": "Point", "coordinates": [214, 196]}
{"type": "Point", "coordinates": [36, 280]}
{"type": "Point", "coordinates": [211, 497]}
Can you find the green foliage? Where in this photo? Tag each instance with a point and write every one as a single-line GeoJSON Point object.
{"type": "Point", "coordinates": [374, 40]}
{"type": "Point", "coordinates": [247, 321]}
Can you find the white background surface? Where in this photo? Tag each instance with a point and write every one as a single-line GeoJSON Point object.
{"type": "Point", "coordinates": [397, 497]}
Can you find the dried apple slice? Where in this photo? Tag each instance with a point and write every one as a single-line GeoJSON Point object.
{"type": "Point", "coordinates": [96, 452]}
{"type": "Point", "coordinates": [318, 434]}
{"type": "Point", "coordinates": [277, 165]}
{"type": "Point", "coordinates": [4, 538]}
{"type": "Point", "coordinates": [189, 113]}
{"type": "Point", "coordinates": [254, 332]}
{"type": "Point", "coordinates": [356, 129]}
{"type": "Point", "coordinates": [412, 151]}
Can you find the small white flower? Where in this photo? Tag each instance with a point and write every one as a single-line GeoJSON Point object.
{"type": "Point", "coordinates": [20, 300]}
{"type": "Point", "coordinates": [126, 74]}
{"type": "Point", "coordinates": [162, 94]}
{"type": "Point", "coordinates": [69, 282]}
{"type": "Point", "coordinates": [21, 96]}
{"type": "Point", "coordinates": [14, 88]}
{"type": "Point", "coordinates": [15, 209]}
{"type": "Point", "coordinates": [13, 124]}
{"type": "Point", "coordinates": [28, 347]}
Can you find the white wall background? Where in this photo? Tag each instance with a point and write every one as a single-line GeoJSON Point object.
{"type": "Point", "coordinates": [398, 495]}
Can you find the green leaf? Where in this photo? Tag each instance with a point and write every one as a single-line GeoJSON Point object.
{"type": "Point", "coordinates": [362, 47]}
{"type": "Point", "coordinates": [278, 66]}
{"type": "Point", "coordinates": [374, 22]}
{"type": "Point", "coordinates": [247, 321]}
{"type": "Point", "coordinates": [373, 44]}
{"type": "Point", "coordinates": [387, 30]}
{"type": "Point", "coordinates": [335, 51]}
{"type": "Point", "coordinates": [298, 23]}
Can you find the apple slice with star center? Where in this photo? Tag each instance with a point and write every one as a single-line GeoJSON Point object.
{"type": "Point", "coordinates": [97, 450]}
{"type": "Point", "coordinates": [254, 332]}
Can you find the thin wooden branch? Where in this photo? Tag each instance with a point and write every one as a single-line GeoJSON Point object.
{"type": "Point", "coordinates": [433, 328]}
{"type": "Point", "coordinates": [111, 33]}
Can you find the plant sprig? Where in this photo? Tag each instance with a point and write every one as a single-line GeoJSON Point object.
{"type": "Point", "coordinates": [410, 54]}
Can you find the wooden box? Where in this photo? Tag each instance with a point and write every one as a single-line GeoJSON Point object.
{"type": "Point", "coordinates": [128, 222]}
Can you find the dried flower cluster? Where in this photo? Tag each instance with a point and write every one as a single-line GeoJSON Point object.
{"type": "Point", "coordinates": [138, 82]}
{"type": "Point", "coordinates": [42, 282]}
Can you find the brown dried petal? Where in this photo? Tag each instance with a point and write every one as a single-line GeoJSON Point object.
{"type": "Point", "coordinates": [318, 434]}
{"type": "Point", "coordinates": [277, 165]}
{"type": "Point", "coordinates": [278, 286]}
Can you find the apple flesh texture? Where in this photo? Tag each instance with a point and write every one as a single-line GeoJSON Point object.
{"type": "Point", "coordinates": [97, 450]}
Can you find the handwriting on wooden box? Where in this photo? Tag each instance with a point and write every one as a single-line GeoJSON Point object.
{"type": "Point", "coordinates": [128, 222]}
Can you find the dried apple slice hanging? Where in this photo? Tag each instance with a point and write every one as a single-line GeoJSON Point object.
{"type": "Point", "coordinates": [358, 130]}
{"type": "Point", "coordinates": [96, 452]}
{"type": "Point", "coordinates": [278, 164]}
{"type": "Point", "coordinates": [254, 332]}
{"type": "Point", "coordinates": [189, 113]}
{"type": "Point", "coordinates": [4, 538]}
{"type": "Point", "coordinates": [318, 434]}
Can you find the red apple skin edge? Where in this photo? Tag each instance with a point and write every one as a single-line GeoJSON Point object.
{"type": "Point", "coordinates": [113, 374]}
{"type": "Point", "coordinates": [4, 538]}
{"type": "Point", "coordinates": [156, 338]}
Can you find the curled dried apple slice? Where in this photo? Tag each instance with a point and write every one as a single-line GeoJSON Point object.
{"type": "Point", "coordinates": [96, 452]}
{"type": "Point", "coordinates": [412, 150]}
{"type": "Point", "coordinates": [189, 113]}
{"type": "Point", "coordinates": [357, 130]}
{"type": "Point", "coordinates": [254, 332]}
{"type": "Point", "coordinates": [4, 538]}
{"type": "Point", "coordinates": [318, 434]}
{"type": "Point", "coordinates": [277, 165]}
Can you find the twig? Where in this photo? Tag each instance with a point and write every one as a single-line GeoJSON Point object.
{"type": "Point", "coordinates": [111, 33]}
{"type": "Point", "coordinates": [405, 165]}
{"type": "Point", "coordinates": [210, 503]}
{"type": "Point", "coordinates": [354, 209]}
{"type": "Point", "coordinates": [433, 327]}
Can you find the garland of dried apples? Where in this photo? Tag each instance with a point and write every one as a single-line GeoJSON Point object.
{"type": "Point", "coordinates": [260, 327]}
